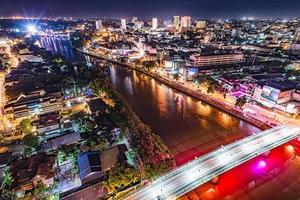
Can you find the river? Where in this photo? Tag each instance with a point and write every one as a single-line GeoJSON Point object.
{"type": "Point", "coordinates": [187, 126]}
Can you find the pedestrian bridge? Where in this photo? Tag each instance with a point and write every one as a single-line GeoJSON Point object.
{"type": "Point", "coordinates": [186, 178]}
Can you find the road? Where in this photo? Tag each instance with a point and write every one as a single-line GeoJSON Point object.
{"type": "Point", "coordinates": [262, 114]}
{"type": "Point", "coordinates": [199, 171]}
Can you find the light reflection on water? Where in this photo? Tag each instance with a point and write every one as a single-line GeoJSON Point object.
{"type": "Point", "coordinates": [60, 45]}
{"type": "Point", "coordinates": [181, 121]}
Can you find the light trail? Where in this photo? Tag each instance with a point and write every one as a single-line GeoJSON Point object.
{"type": "Point", "coordinates": [203, 169]}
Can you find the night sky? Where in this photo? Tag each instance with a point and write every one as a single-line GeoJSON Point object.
{"type": "Point", "coordinates": [150, 8]}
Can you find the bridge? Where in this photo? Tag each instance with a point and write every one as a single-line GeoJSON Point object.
{"type": "Point", "coordinates": [186, 178]}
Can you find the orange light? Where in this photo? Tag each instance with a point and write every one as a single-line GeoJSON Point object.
{"type": "Point", "coordinates": [290, 148]}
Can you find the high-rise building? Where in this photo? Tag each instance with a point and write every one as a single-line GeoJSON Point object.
{"type": "Point", "coordinates": [201, 24]}
{"type": "Point", "coordinates": [176, 23]}
{"type": "Point", "coordinates": [123, 24]}
{"type": "Point", "coordinates": [99, 25]}
{"type": "Point", "coordinates": [185, 22]}
{"type": "Point", "coordinates": [139, 24]}
{"type": "Point", "coordinates": [154, 23]}
{"type": "Point", "coordinates": [297, 36]}
{"type": "Point", "coordinates": [134, 20]}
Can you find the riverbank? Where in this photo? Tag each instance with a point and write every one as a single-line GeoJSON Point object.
{"type": "Point", "coordinates": [154, 157]}
{"type": "Point", "coordinates": [181, 88]}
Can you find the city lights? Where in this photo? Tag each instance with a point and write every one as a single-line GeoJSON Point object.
{"type": "Point", "coordinates": [186, 106]}
{"type": "Point", "coordinates": [31, 28]}
{"type": "Point", "coordinates": [290, 148]}
{"type": "Point", "coordinates": [261, 164]}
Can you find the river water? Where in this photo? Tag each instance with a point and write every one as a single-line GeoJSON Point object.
{"type": "Point", "coordinates": [187, 126]}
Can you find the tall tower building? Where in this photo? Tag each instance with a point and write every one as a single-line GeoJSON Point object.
{"type": "Point", "coordinates": [297, 36]}
{"type": "Point", "coordinates": [134, 20]}
{"type": "Point", "coordinates": [99, 25]}
{"type": "Point", "coordinates": [123, 24]}
{"type": "Point", "coordinates": [154, 23]}
{"type": "Point", "coordinates": [185, 22]}
{"type": "Point", "coordinates": [176, 23]}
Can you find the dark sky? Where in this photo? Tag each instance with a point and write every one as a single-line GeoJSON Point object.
{"type": "Point", "coordinates": [149, 8]}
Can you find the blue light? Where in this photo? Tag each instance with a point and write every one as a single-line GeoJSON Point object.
{"type": "Point", "coordinates": [31, 28]}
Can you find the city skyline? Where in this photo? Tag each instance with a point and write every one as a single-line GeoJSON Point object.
{"type": "Point", "coordinates": [163, 9]}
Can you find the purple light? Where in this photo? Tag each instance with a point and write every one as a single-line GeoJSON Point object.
{"type": "Point", "coordinates": [262, 164]}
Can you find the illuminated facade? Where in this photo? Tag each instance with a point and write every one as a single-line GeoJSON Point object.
{"type": "Point", "coordinates": [185, 22]}
{"type": "Point", "coordinates": [280, 95]}
{"type": "Point", "coordinates": [176, 23]}
{"type": "Point", "coordinates": [123, 24]}
{"type": "Point", "coordinates": [201, 24]}
{"type": "Point", "coordinates": [154, 23]}
{"type": "Point", "coordinates": [215, 59]}
{"type": "Point", "coordinates": [99, 25]}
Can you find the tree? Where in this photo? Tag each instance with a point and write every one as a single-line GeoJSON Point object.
{"type": "Point", "coordinates": [211, 86]}
{"type": "Point", "coordinates": [61, 157]}
{"type": "Point", "coordinates": [26, 125]}
{"type": "Point", "coordinates": [31, 140]}
{"type": "Point", "coordinates": [7, 194]}
{"type": "Point", "coordinates": [40, 192]}
{"type": "Point", "coordinates": [7, 179]}
{"type": "Point", "coordinates": [154, 170]}
{"type": "Point", "coordinates": [99, 144]}
{"type": "Point", "coordinates": [240, 102]}
{"type": "Point", "coordinates": [28, 151]}
{"type": "Point", "coordinates": [122, 176]}
{"type": "Point", "coordinates": [138, 62]}
{"type": "Point", "coordinates": [79, 117]}
{"type": "Point", "coordinates": [149, 64]}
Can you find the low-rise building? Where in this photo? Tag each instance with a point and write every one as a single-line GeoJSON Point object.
{"type": "Point", "coordinates": [65, 139]}
{"type": "Point", "coordinates": [93, 165]}
{"type": "Point", "coordinates": [30, 172]}
{"type": "Point", "coordinates": [31, 104]}
{"type": "Point", "coordinates": [282, 95]}
{"type": "Point", "coordinates": [215, 59]}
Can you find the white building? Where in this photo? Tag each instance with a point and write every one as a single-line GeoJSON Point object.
{"type": "Point", "coordinates": [123, 24]}
{"type": "Point", "coordinates": [176, 23]}
{"type": "Point", "coordinates": [99, 25]}
{"type": "Point", "coordinates": [185, 22]}
{"type": "Point", "coordinates": [134, 20]}
{"type": "Point", "coordinates": [154, 23]}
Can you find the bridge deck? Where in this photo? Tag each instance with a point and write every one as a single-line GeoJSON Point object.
{"type": "Point", "coordinates": [201, 170]}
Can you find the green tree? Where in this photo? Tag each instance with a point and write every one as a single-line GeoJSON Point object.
{"type": "Point", "coordinates": [40, 192]}
{"type": "Point", "coordinates": [7, 179]}
{"type": "Point", "coordinates": [26, 125]}
{"type": "Point", "coordinates": [28, 151]}
{"type": "Point", "coordinates": [61, 157]}
{"type": "Point", "coordinates": [99, 144]}
{"type": "Point", "coordinates": [79, 117]}
{"type": "Point", "coordinates": [122, 176]}
{"type": "Point", "coordinates": [31, 140]}
{"type": "Point", "coordinates": [154, 170]}
{"type": "Point", "coordinates": [240, 102]}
